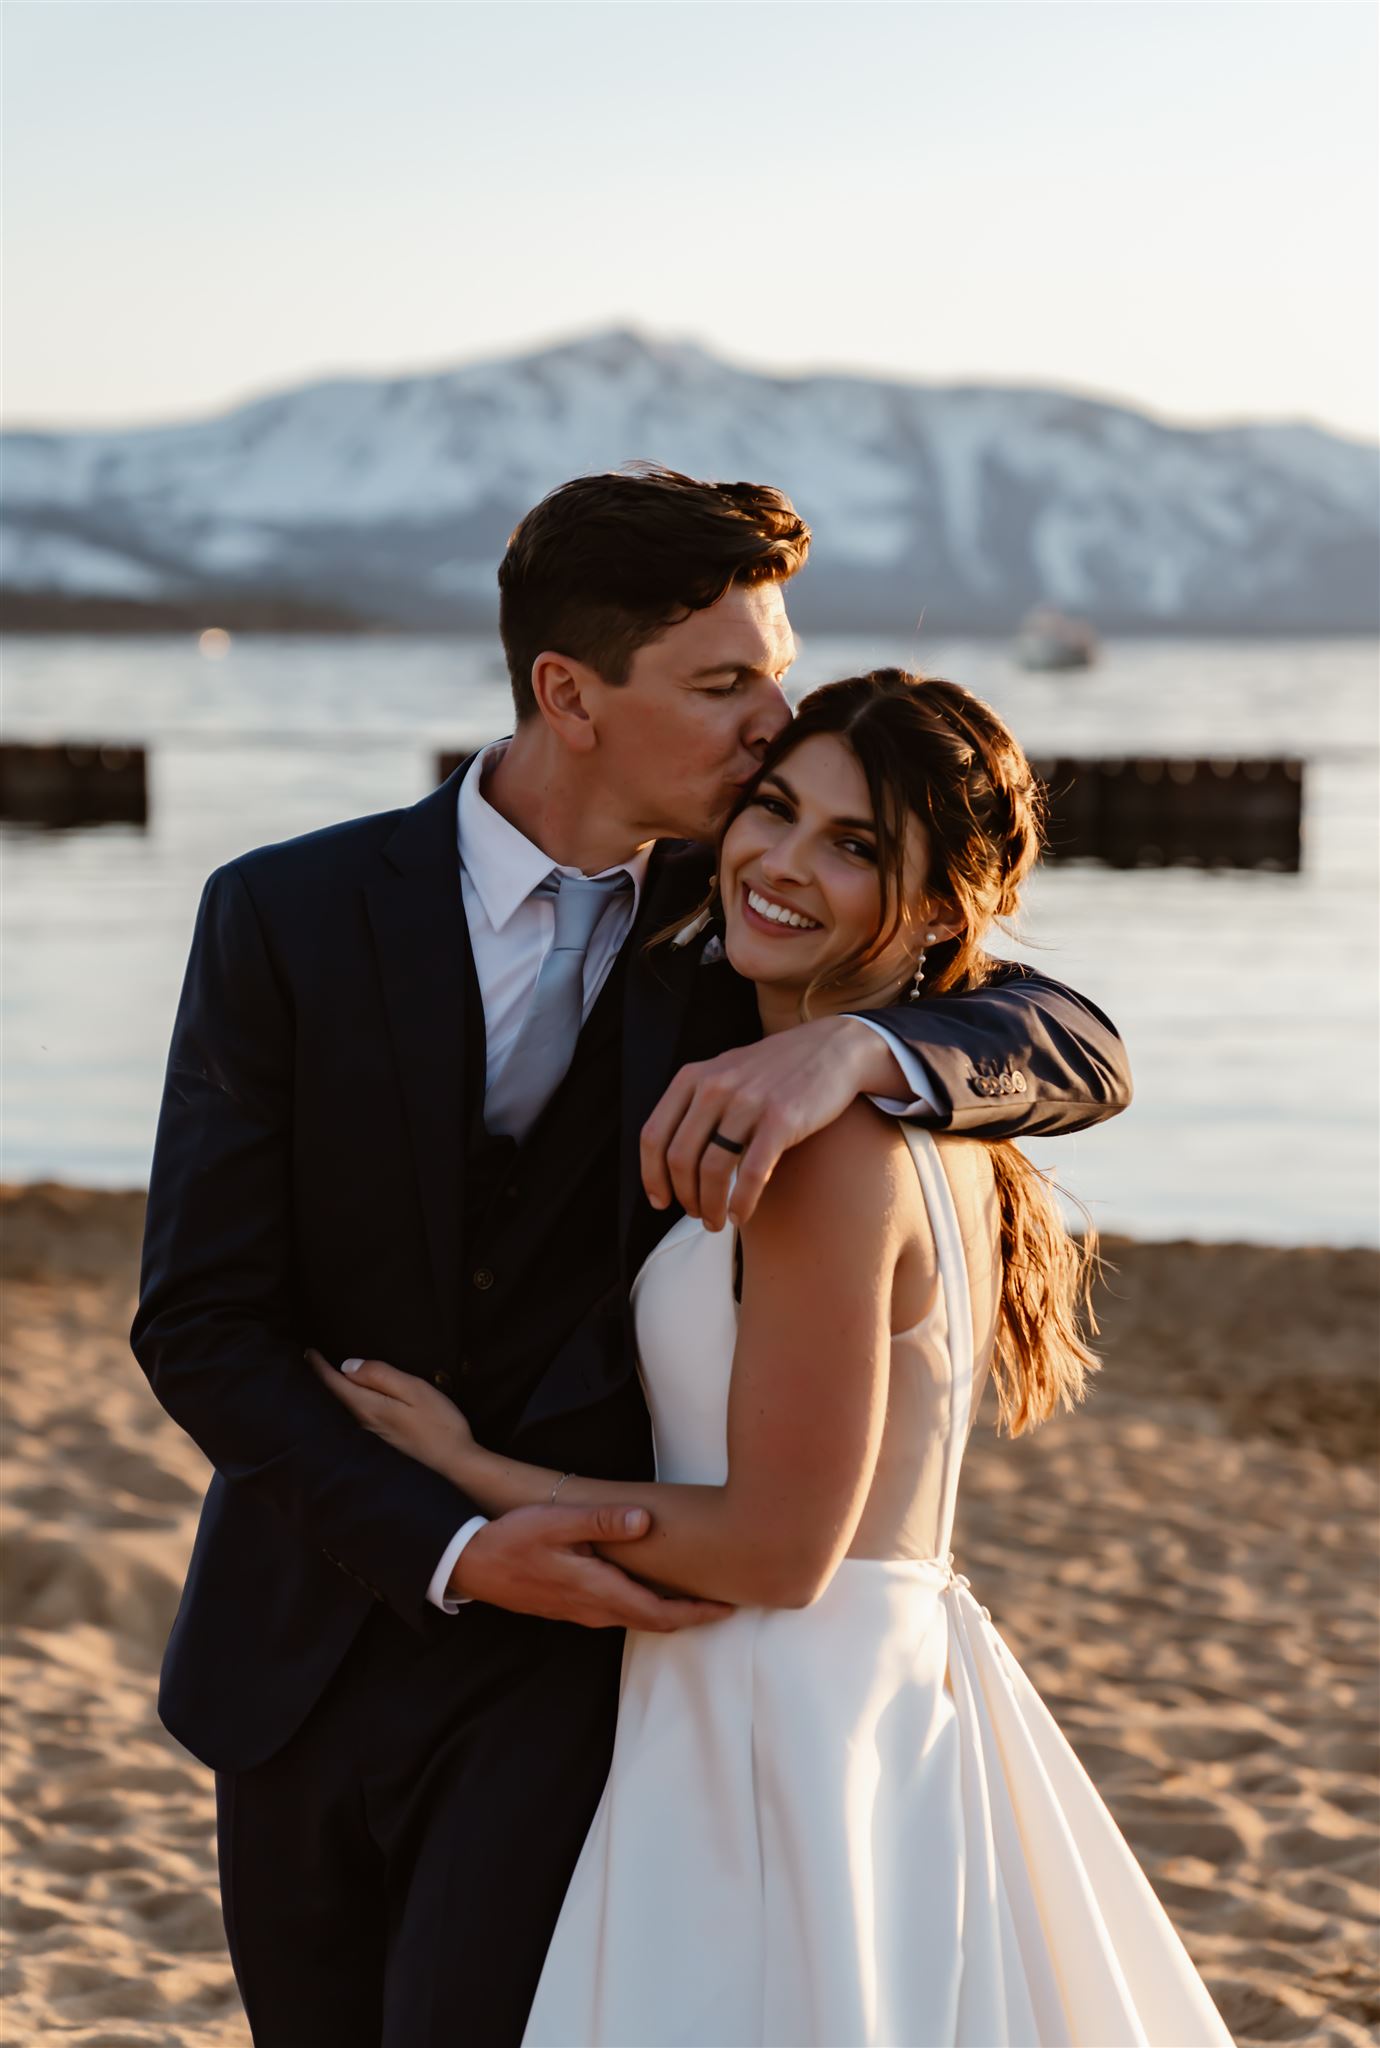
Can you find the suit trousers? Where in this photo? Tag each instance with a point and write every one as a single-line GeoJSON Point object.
{"type": "Point", "coordinates": [392, 1876]}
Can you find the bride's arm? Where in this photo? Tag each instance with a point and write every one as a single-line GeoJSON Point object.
{"type": "Point", "coordinates": [807, 1402]}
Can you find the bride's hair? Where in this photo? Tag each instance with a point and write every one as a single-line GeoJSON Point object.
{"type": "Point", "coordinates": [931, 749]}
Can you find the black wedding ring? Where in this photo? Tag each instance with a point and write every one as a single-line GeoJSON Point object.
{"type": "Point", "coordinates": [728, 1144]}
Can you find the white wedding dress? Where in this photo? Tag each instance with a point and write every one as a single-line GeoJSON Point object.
{"type": "Point", "coordinates": [852, 1823]}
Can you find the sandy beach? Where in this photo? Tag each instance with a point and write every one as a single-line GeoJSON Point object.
{"type": "Point", "coordinates": [1187, 1569]}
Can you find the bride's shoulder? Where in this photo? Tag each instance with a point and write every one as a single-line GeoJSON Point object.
{"type": "Point", "coordinates": [862, 1137]}
{"type": "Point", "coordinates": [854, 1179]}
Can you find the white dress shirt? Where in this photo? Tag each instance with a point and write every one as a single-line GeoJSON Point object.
{"type": "Point", "coordinates": [511, 928]}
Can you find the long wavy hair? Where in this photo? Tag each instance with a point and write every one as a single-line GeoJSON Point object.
{"type": "Point", "coordinates": [932, 750]}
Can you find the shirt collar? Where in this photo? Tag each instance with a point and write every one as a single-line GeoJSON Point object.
{"type": "Point", "coordinates": [504, 865]}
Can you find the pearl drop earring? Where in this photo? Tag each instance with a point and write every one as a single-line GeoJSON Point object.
{"type": "Point", "coordinates": [913, 996]}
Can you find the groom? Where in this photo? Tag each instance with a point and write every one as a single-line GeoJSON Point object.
{"type": "Point", "coordinates": [432, 1097]}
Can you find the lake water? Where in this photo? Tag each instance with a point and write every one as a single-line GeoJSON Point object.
{"type": "Point", "coordinates": [1248, 1001]}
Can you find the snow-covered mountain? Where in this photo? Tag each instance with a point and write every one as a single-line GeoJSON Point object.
{"type": "Point", "coordinates": [392, 498]}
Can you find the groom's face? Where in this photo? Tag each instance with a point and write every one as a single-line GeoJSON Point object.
{"type": "Point", "coordinates": [701, 704]}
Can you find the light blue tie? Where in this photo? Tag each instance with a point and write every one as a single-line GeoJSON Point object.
{"type": "Point", "coordinates": [545, 1045]}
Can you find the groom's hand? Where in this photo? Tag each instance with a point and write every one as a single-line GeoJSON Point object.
{"type": "Point", "coordinates": [763, 1099]}
{"type": "Point", "coordinates": [542, 1560]}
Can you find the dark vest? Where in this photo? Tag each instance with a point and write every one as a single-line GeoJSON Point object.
{"type": "Point", "coordinates": [542, 1278]}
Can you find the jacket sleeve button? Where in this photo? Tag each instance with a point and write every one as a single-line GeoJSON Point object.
{"type": "Point", "coordinates": [483, 1279]}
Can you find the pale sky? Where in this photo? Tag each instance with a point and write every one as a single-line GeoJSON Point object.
{"type": "Point", "coordinates": [1170, 203]}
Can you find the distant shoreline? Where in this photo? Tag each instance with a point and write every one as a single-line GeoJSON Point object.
{"type": "Point", "coordinates": [51, 614]}
{"type": "Point", "coordinates": [1276, 1342]}
{"type": "Point", "coordinates": [45, 612]}
{"type": "Point", "coordinates": [81, 1205]}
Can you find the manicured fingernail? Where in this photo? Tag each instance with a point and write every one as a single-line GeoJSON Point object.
{"type": "Point", "coordinates": [351, 1365]}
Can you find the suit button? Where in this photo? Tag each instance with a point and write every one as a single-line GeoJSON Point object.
{"type": "Point", "coordinates": [1018, 1083]}
{"type": "Point", "coordinates": [483, 1279]}
{"type": "Point", "coordinates": [441, 1380]}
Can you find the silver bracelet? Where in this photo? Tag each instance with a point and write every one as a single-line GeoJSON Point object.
{"type": "Point", "coordinates": [559, 1484]}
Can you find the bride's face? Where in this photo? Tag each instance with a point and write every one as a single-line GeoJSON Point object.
{"type": "Point", "coordinates": [800, 884]}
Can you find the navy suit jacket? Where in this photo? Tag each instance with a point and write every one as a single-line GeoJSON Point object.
{"type": "Point", "coordinates": [306, 1189]}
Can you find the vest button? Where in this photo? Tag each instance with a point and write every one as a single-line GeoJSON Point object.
{"type": "Point", "coordinates": [483, 1279]}
{"type": "Point", "coordinates": [441, 1380]}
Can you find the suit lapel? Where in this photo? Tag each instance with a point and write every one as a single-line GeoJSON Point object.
{"type": "Point", "coordinates": [422, 943]}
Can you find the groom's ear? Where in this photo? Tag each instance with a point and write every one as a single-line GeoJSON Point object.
{"type": "Point", "coordinates": [564, 690]}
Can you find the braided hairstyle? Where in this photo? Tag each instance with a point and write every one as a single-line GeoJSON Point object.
{"type": "Point", "coordinates": [931, 749]}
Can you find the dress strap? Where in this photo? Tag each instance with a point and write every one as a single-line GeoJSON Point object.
{"type": "Point", "coordinates": [958, 1314]}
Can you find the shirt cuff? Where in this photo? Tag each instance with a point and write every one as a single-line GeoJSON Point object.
{"type": "Point", "coordinates": [922, 1098]}
{"type": "Point", "coordinates": [436, 1592]}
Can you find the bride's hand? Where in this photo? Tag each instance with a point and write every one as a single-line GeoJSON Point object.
{"type": "Point", "coordinates": [405, 1411]}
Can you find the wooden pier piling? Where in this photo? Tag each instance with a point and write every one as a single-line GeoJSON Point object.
{"type": "Point", "coordinates": [1158, 811]}
{"type": "Point", "coordinates": [71, 784]}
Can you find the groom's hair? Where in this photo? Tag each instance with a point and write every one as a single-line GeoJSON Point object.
{"type": "Point", "coordinates": [605, 563]}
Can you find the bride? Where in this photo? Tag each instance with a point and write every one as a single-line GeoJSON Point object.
{"type": "Point", "coordinates": [842, 1814]}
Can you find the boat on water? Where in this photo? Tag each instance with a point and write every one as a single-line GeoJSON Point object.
{"type": "Point", "coordinates": [1051, 640]}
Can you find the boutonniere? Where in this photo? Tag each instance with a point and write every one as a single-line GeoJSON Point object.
{"type": "Point", "coordinates": [714, 946]}
{"type": "Point", "coordinates": [691, 931]}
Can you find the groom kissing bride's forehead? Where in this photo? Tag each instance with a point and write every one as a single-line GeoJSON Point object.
{"type": "Point", "coordinates": [441, 1080]}
{"type": "Point", "coordinates": [643, 616]}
